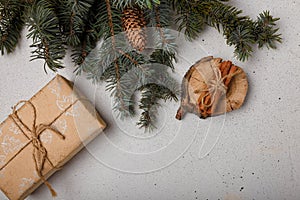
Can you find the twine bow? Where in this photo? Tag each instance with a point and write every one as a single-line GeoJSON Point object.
{"type": "Point", "coordinates": [216, 85]}
{"type": "Point", "coordinates": [39, 153]}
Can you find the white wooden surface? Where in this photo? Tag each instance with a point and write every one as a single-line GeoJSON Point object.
{"type": "Point", "coordinates": [257, 152]}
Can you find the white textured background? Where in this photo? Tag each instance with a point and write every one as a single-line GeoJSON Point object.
{"type": "Point", "coordinates": [257, 154]}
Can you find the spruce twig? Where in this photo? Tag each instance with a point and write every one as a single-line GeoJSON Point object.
{"type": "Point", "coordinates": [110, 22]}
{"type": "Point", "coordinates": [47, 40]}
{"type": "Point", "coordinates": [239, 31]}
{"type": "Point", "coordinates": [11, 24]}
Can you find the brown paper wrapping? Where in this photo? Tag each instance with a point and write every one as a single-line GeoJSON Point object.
{"type": "Point", "coordinates": [59, 105]}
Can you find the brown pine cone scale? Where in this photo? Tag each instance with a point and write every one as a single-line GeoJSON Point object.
{"type": "Point", "coordinates": [134, 24]}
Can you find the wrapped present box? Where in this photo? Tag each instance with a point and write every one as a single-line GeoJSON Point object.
{"type": "Point", "coordinates": [42, 135]}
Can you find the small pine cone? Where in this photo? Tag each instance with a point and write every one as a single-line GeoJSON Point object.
{"type": "Point", "coordinates": [133, 24]}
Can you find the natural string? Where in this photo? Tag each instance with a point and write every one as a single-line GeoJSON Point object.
{"type": "Point", "coordinates": [39, 151]}
{"type": "Point", "coordinates": [216, 85]}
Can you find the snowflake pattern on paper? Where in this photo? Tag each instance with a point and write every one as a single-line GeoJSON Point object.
{"type": "Point", "coordinates": [61, 125]}
{"type": "Point", "coordinates": [2, 159]}
{"type": "Point", "coordinates": [46, 137]}
{"type": "Point", "coordinates": [56, 89]}
{"type": "Point", "coordinates": [36, 176]}
{"type": "Point", "coordinates": [2, 174]}
{"type": "Point", "coordinates": [11, 145]}
{"type": "Point", "coordinates": [25, 184]}
{"type": "Point", "coordinates": [64, 102]}
{"type": "Point", "coordinates": [73, 111]}
{"type": "Point", "coordinates": [90, 129]}
{"type": "Point", "coordinates": [14, 129]}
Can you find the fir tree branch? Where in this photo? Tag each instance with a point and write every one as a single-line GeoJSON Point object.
{"type": "Point", "coordinates": [160, 14]}
{"type": "Point", "coordinates": [128, 56]}
{"type": "Point", "coordinates": [159, 85]}
{"type": "Point", "coordinates": [239, 31]}
{"type": "Point", "coordinates": [189, 19]}
{"type": "Point", "coordinates": [236, 28]}
{"type": "Point", "coordinates": [47, 39]}
{"type": "Point", "coordinates": [11, 24]}
{"type": "Point", "coordinates": [78, 19]}
{"type": "Point", "coordinates": [142, 4]}
{"type": "Point", "coordinates": [149, 103]}
{"type": "Point", "coordinates": [159, 25]}
{"type": "Point", "coordinates": [92, 32]}
{"type": "Point", "coordinates": [265, 31]}
{"type": "Point", "coordinates": [160, 17]}
{"type": "Point", "coordinates": [121, 105]}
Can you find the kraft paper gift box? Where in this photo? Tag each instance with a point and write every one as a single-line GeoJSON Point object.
{"type": "Point", "coordinates": [42, 135]}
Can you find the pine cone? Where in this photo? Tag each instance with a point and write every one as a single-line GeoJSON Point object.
{"type": "Point", "coordinates": [133, 24]}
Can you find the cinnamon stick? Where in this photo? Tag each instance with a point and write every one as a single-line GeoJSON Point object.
{"type": "Point", "coordinates": [231, 71]}
{"type": "Point", "coordinates": [223, 65]}
{"type": "Point", "coordinates": [226, 69]}
{"type": "Point", "coordinates": [203, 108]}
{"type": "Point", "coordinates": [205, 111]}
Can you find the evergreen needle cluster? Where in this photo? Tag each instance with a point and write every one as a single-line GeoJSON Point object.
{"type": "Point", "coordinates": [93, 29]}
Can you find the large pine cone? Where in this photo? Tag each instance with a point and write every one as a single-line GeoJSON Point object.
{"type": "Point", "coordinates": [134, 23]}
{"type": "Point", "coordinates": [212, 87]}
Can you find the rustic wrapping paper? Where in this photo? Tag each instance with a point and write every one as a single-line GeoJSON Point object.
{"type": "Point", "coordinates": [65, 110]}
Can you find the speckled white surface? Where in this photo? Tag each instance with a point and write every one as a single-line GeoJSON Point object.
{"type": "Point", "coordinates": [256, 156]}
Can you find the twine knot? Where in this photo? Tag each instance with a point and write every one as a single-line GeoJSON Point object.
{"type": "Point", "coordinates": [39, 153]}
{"type": "Point", "coordinates": [216, 85]}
